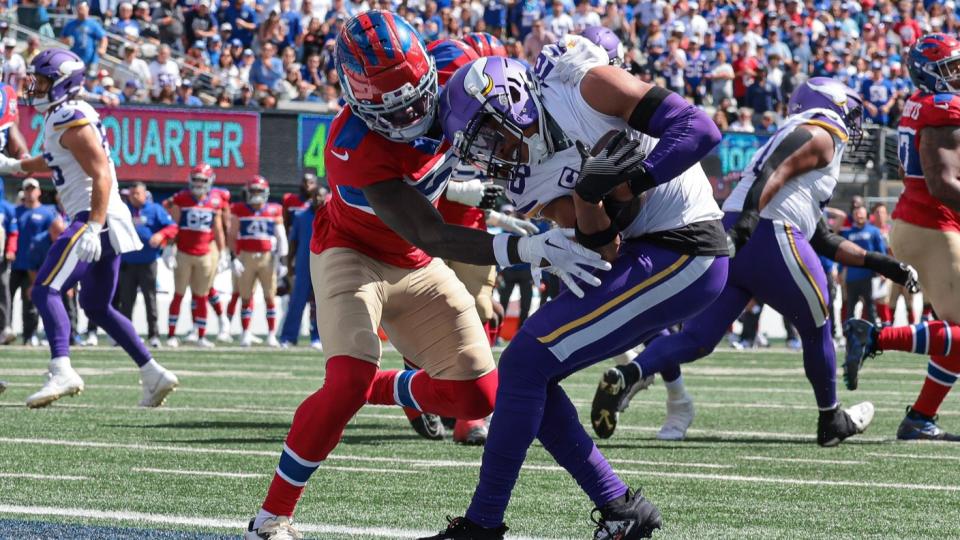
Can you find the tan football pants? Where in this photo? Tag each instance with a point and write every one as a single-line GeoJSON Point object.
{"type": "Point", "coordinates": [936, 256]}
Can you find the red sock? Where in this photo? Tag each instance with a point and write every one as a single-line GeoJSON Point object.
{"type": "Point", "coordinates": [932, 337]}
{"type": "Point", "coordinates": [317, 428]}
{"type": "Point", "coordinates": [466, 400]}
{"type": "Point", "coordinates": [271, 316]}
{"type": "Point", "coordinates": [493, 332]}
{"type": "Point", "coordinates": [910, 318]}
{"type": "Point", "coordinates": [942, 373]}
{"type": "Point", "coordinates": [174, 315]}
{"type": "Point", "coordinates": [199, 306]}
{"type": "Point", "coordinates": [885, 313]}
{"type": "Point", "coordinates": [232, 305]}
{"type": "Point", "coordinates": [214, 298]}
{"type": "Point", "coordinates": [246, 313]}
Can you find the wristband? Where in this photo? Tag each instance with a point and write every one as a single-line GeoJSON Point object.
{"type": "Point", "coordinates": [597, 239]}
{"type": "Point", "coordinates": [500, 251]}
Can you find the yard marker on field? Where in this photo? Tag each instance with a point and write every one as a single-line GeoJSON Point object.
{"type": "Point", "coordinates": [32, 476]}
{"type": "Point", "coordinates": [804, 460]}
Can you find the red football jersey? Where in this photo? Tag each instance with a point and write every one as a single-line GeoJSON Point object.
{"type": "Point", "coordinates": [258, 228]}
{"type": "Point", "coordinates": [196, 221]}
{"type": "Point", "coordinates": [291, 202]}
{"type": "Point", "coordinates": [461, 214]}
{"type": "Point", "coordinates": [916, 204]}
{"type": "Point", "coordinates": [357, 157]}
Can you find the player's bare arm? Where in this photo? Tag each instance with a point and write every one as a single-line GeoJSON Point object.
{"type": "Point", "coordinates": [16, 144]}
{"type": "Point", "coordinates": [232, 233]}
{"type": "Point", "coordinates": [940, 159]}
{"type": "Point", "coordinates": [219, 235]}
{"type": "Point", "coordinates": [84, 143]}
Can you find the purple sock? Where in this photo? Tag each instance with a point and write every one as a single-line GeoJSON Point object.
{"type": "Point", "coordinates": [820, 364]}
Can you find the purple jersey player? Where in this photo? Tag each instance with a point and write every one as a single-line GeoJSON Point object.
{"type": "Point", "coordinates": [645, 205]}
{"type": "Point", "coordinates": [774, 216]}
{"type": "Point", "coordinates": [77, 157]}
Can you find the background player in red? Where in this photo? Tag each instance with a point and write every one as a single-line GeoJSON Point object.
{"type": "Point", "coordinates": [259, 244]}
{"type": "Point", "coordinates": [292, 202]}
{"type": "Point", "coordinates": [372, 261]}
{"type": "Point", "coordinates": [925, 233]}
{"type": "Point", "coordinates": [200, 240]}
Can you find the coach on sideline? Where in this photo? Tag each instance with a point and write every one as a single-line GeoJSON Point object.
{"type": "Point", "coordinates": [138, 269]}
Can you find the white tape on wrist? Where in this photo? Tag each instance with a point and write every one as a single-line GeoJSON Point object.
{"type": "Point", "coordinates": [500, 251]}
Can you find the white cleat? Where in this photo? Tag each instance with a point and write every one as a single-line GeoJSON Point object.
{"type": "Point", "coordinates": [272, 341]}
{"type": "Point", "coordinates": [192, 337]}
{"type": "Point", "coordinates": [7, 337]}
{"type": "Point", "coordinates": [63, 382]}
{"type": "Point", "coordinates": [255, 339]}
{"type": "Point", "coordinates": [157, 385]}
{"type": "Point", "coordinates": [91, 340]}
{"type": "Point", "coordinates": [155, 342]}
{"type": "Point", "coordinates": [33, 342]}
{"type": "Point", "coordinates": [205, 343]}
{"type": "Point", "coordinates": [679, 417]}
{"type": "Point", "coordinates": [173, 342]}
{"type": "Point", "coordinates": [246, 340]}
{"type": "Point", "coordinates": [861, 414]}
{"type": "Point", "coordinates": [224, 336]}
{"type": "Point", "coordinates": [316, 345]}
{"type": "Point", "coordinates": [278, 528]}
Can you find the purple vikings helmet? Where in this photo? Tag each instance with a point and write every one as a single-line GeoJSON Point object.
{"type": "Point", "coordinates": [605, 38]}
{"type": "Point", "coordinates": [64, 71]}
{"type": "Point", "coordinates": [491, 112]}
{"type": "Point", "coordinates": [833, 95]}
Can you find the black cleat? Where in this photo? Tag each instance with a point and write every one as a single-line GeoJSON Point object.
{"type": "Point", "coordinates": [628, 518]}
{"type": "Point", "coordinates": [861, 344]}
{"type": "Point", "coordinates": [429, 427]}
{"type": "Point", "coordinates": [612, 397]}
{"type": "Point", "coordinates": [462, 528]}
{"type": "Point", "coordinates": [3, 386]}
{"type": "Point", "coordinates": [919, 427]}
{"type": "Point", "coordinates": [449, 422]}
{"type": "Point", "coordinates": [839, 424]}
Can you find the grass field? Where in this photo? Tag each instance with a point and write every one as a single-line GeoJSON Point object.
{"type": "Point", "coordinates": [96, 466]}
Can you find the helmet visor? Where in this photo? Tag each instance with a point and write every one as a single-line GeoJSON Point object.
{"type": "Point", "coordinates": [493, 146]}
{"type": "Point", "coordinates": [949, 69]}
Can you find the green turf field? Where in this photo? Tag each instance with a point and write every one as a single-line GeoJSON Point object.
{"type": "Point", "coordinates": [201, 464]}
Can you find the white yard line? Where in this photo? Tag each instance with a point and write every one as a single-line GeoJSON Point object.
{"type": "Point", "coordinates": [804, 460]}
{"type": "Point", "coordinates": [793, 481]}
{"type": "Point", "coordinates": [212, 474]}
{"type": "Point", "coordinates": [938, 457]}
{"type": "Point", "coordinates": [32, 476]}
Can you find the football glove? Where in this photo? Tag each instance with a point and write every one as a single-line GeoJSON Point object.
{"type": "Point", "coordinates": [170, 257]}
{"type": "Point", "coordinates": [615, 159]}
{"type": "Point", "coordinates": [511, 224]}
{"type": "Point", "coordinates": [237, 267]}
{"type": "Point", "coordinates": [88, 245]}
{"type": "Point", "coordinates": [8, 165]}
{"type": "Point", "coordinates": [224, 263]}
{"type": "Point", "coordinates": [474, 193]}
{"type": "Point", "coordinates": [555, 251]}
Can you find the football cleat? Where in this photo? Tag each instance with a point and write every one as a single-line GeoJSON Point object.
{"type": "Point", "coordinates": [155, 342]}
{"type": "Point", "coordinates": [461, 528]}
{"type": "Point", "coordinates": [224, 334]}
{"type": "Point", "coordinates": [316, 345]}
{"type": "Point", "coordinates": [63, 381]}
{"type": "Point", "coordinates": [205, 343]}
{"type": "Point", "coordinates": [861, 344]}
{"type": "Point", "coordinates": [428, 426]}
{"type": "Point", "coordinates": [91, 340]}
{"type": "Point", "coordinates": [192, 337]}
{"type": "Point", "coordinates": [173, 342]}
{"type": "Point", "coordinates": [157, 385]}
{"type": "Point", "coordinates": [286, 345]}
{"type": "Point", "coordinates": [255, 339]}
{"type": "Point", "coordinates": [272, 340]}
{"type": "Point", "coordinates": [34, 341]}
{"type": "Point", "coordinates": [3, 386]}
{"type": "Point", "coordinates": [7, 337]}
{"type": "Point", "coordinates": [680, 415]}
{"type": "Point", "coordinates": [246, 340]}
{"type": "Point", "coordinates": [918, 427]}
{"type": "Point", "coordinates": [627, 519]}
{"type": "Point", "coordinates": [613, 396]}
{"type": "Point", "coordinates": [470, 432]}
{"type": "Point", "coordinates": [277, 528]}
{"type": "Point", "coordinates": [838, 424]}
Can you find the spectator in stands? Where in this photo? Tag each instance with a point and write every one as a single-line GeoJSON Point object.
{"type": "Point", "coordinates": [313, 39]}
{"type": "Point", "coordinates": [879, 95]}
{"type": "Point", "coordinates": [110, 94]}
{"type": "Point", "coordinates": [163, 71]}
{"type": "Point", "coordinates": [227, 75]}
{"type": "Point", "coordinates": [185, 95]}
{"type": "Point", "coordinates": [288, 57]}
{"type": "Point", "coordinates": [223, 99]}
{"type": "Point", "coordinates": [288, 89]}
{"type": "Point", "coordinates": [243, 19]}
{"type": "Point", "coordinates": [132, 92]}
{"type": "Point", "coordinates": [226, 31]}
{"type": "Point", "coordinates": [245, 97]}
{"type": "Point", "coordinates": [673, 64]}
{"type": "Point", "coordinates": [515, 50]}
{"type": "Point", "coordinates": [199, 22]}
{"type": "Point", "coordinates": [14, 66]}
{"type": "Point", "coordinates": [86, 36]}
{"type": "Point", "coordinates": [538, 37]}
{"type": "Point", "coordinates": [312, 72]}
{"type": "Point", "coordinates": [290, 23]}
{"type": "Point", "coordinates": [214, 49]}
{"type": "Point", "coordinates": [495, 17]}
{"type": "Point", "coordinates": [267, 70]}
{"type": "Point", "coordinates": [744, 121]}
{"type": "Point", "coordinates": [35, 221]}
{"type": "Point", "coordinates": [196, 59]}
{"type": "Point", "coordinates": [169, 19]}
{"type": "Point", "coordinates": [558, 21]}
{"type": "Point", "coordinates": [860, 280]}
{"type": "Point", "coordinates": [695, 72]}
{"type": "Point", "coordinates": [584, 16]}
{"type": "Point", "coordinates": [721, 78]}
{"type": "Point", "coordinates": [720, 119]}
{"type": "Point", "coordinates": [136, 68]}
{"type": "Point", "coordinates": [8, 251]}
{"type": "Point", "coordinates": [331, 96]}
{"type": "Point", "coordinates": [768, 123]}
{"type": "Point", "coordinates": [149, 31]}
{"type": "Point", "coordinates": [124, 23]}
{"type": "Point", "coordinates": [908, 30]}
{"type": "Point", "coordinates": [32, 50]}
{"type": "Point", "coordinates": [763, 95]}
{"type": "Point", "coordinates": [271, 31]}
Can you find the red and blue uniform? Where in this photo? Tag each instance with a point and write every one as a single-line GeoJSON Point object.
{"type": "Point", "coordinates": [356, 158]}
{"type": "Point", "coordinates": [292, 202]}
{"type": "Point", "coordinates": [916, 205]}
{"type": "Point", "coordinates": [196, 220]}
{"type": "Point", "coordinates": [258, 227]}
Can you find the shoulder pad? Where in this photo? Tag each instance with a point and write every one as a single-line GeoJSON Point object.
{"type": "Point", "coordinates": [572, 57]}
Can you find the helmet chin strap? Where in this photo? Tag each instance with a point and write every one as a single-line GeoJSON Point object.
{"type": "Point", "coordinates": [548, 140]}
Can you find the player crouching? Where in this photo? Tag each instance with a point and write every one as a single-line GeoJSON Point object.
{"type": "Point", "coordinates": [77, 155]}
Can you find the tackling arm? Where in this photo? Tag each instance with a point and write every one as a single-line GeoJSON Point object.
{"type": "Point", "coordinates": [833, 246]}
{"type": "Point", "coordinates": [940, 159]}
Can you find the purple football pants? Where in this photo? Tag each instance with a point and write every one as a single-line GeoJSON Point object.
{"type": "Point", "coordinates": [61, 270]}
{"type": "Point", "coordinates": [779, 268]}
{"type": "Point", "coordinates": [648, 289]}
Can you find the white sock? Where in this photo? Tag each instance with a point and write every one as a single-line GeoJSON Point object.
{"type": "Point", "coordinates": [150, 367]}
{"type": "Point", "coordinates": [59, 363]}
{"type": "Point", "coordinates": [626, 357]}
{"type": "Point", "coordinates": [262, 516]}
{"type": "Point", "coordinates": [675, 389]}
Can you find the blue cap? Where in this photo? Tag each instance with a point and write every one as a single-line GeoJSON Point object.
{"type": "Point", "coordinates": [236, 42]}
{"type": "Point", "coordinates": [199, 44]}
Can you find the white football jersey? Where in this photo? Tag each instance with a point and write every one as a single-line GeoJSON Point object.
{"type": "Point", "coordinates": [801, 200]}
{"type": "Point", "coordinates": [73, 185]}
{"type": "Point", "coordinates": [682, 201]}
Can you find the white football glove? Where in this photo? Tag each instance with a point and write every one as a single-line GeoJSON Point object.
{"type": "Point", "coordinates": [511, 224]}
{"type": "Point", "coordinates": [554, 251]}
{"type": "Point", "coordinates": [913, 280]}
{"type": "Point", "coordinates": [8, 165]}
{"type": "Point", "coordinates": [88, 245]}
{"type": "Point", "coordinates": [223, 264]}
{"type": "Point", "coordinates": [473, 193]}
{"type": "Point", "coordinates": [170, 257]}
{"type": "Point", "coordinates": [282, 270]}
{"type": "Point", "coordinates": [237, 267]}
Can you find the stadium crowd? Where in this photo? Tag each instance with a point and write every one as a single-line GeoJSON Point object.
{"type": "Point", "coordinates": [738, 58]}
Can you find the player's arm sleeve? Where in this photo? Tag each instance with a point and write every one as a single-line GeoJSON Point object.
{"type": "Point", "coordinates": [824, 241]}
